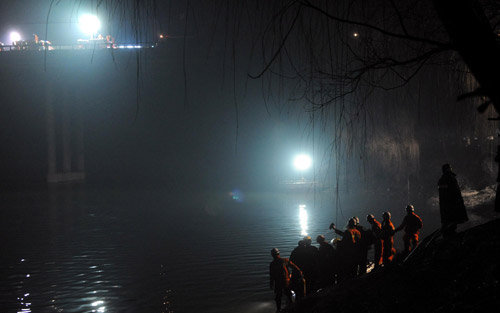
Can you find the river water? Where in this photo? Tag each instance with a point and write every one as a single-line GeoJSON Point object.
{"type": "Point", "coordinates": [146, 249]}
{"type": "Point", "coordinates": [122, 249]}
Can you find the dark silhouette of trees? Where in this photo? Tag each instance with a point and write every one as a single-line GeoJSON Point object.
{"type": "Point", "coordinates": [339, 47]}
{"type": "Point", "coordinates": [336, 59]}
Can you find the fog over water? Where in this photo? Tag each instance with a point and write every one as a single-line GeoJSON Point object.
{"type": "Point", "coordinates": [186, 156]}
{"type": "Point", "coordinates": [145, 249]}
{"type": "Point", "coordinates": [180, 208]}
{"type": "Point", "coordinates": [82, 249]}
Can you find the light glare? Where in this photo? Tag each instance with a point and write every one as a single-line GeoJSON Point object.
{"type": "Point", "coordinates": [302, 162]}
{"type": "Point", "coordinates": [89, 24]}
{"type": "Point", "coordinates": [15, 36]}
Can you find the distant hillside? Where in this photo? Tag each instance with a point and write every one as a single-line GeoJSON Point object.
{"type": "Point", "coordinates": [443, 275]}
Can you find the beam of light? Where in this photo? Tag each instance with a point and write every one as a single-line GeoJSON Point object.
{"type": "Point", "coordinates": [303, 219]}
{"type": "Point", "coordinates": [302, 162]}
{"type": "Point", "coordinates": [89, 24]}
{"type": "Point", "coordinates": [14, 36]}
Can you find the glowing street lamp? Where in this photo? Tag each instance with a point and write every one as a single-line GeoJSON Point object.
{"type": "Point", "coordinates": [15, 37]}
{"type": "Point", "coordinates": [89, 24]}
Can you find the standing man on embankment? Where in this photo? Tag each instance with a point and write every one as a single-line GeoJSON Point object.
{"type": "Point", "coordinates": [451, 203]}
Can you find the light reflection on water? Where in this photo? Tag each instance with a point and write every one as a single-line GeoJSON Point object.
{"type": "Point", "coordinates": [99, 304]}
{"type": "Point", "coordinates": [303, 219]}
{"type": "Point", "coordinates": [113, 250]}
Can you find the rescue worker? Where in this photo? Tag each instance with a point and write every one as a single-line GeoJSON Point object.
{"type": "Point", "coordinates": [336, 260]}
{"type": "Point", "coordinates": [377, 241]}
{"type": "Point", "coordinates": [279, 277]}
{"type": "Point", "coordinates": [387, 235]}
{"type": "Point", "coordinates": [411, 224]}
{"type": "Point", "coordinates": [347, 249]}
{"type": "Point", "coordinates": [451, 203]}
{"type": "Point", "coordinates": [110, 42]}
{"type": "Point", "coordinates": [362, 247]}
{"type": "Point", "coordinates": [310, 264]}
{"type": "Point", "coordinates": [325, 263]}
{"type": "Point", "coordinates": [298, 284]}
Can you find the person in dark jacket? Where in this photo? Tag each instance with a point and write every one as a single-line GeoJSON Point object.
{"type": "Point", "coordinates": [347, 249]}
{"type": "Point", "coordinates": [363, 246]}
{"type": "Point", "coordinates": [387, 235]}
{"type": "Point", "coordinates": [279, 277]}
{"type": "Point", "coordinates": [325, 263]}
{"type": "Point", "coordinates": [451, 203]}
{"type": "Point", "coordinates": [310, 264]}
{"type": "Point", "coordinates": [411, 225]}
{"type": "Point", "coordinates": [377, 241]}
{"type": "Point", "coordinates": [298, 257]}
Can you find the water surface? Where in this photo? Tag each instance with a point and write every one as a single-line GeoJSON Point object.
{"type": "Point", "coordinates": [118, 249]}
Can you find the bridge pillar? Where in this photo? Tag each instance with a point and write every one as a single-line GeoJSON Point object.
{"type": "Point", "coordinates": [51, 130]}
{"type": "Point", "coordinates": [80, 157]}
{"type": "Point", "coordinates": [66, 136]}
{"type": "Point", "coordinates": [69, 133]}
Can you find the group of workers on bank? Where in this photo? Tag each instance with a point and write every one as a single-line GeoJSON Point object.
{"type": "Point", "coordinates": [314, 268]}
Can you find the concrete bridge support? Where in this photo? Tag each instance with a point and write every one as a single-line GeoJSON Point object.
{"type": "Point", "coordinates": [66, 131]}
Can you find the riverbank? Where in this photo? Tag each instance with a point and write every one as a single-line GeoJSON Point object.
{"type": "Point", "coordinates": [459, 274]}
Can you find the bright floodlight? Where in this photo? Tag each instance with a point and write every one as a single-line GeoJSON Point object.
{"type": "Point", "coordinates": [302, 162]}
{"type": "Point", "coordinates": [89, 24]}
{"type": "Point", "coordinates": [15, 36]}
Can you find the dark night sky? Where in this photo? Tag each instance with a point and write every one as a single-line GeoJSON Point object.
{"type": "Point", "coordinates": [194, 135]}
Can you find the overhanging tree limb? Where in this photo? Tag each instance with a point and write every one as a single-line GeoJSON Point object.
{"type": "Point", "coordinates": [475, 40]}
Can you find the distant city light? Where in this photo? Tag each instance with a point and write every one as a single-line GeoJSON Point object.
{"type": "Point", "coordinates": [302, 162]}
{"type": "Point", "coordinates": [89, 24]}
{"type": "Point", "coordinates": [15, 36]}
{"type": "Point", "coordinates": [355, 34]}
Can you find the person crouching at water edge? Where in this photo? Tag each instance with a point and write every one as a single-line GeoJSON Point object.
{"type": "Point", "coordinates": [280, 277]}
